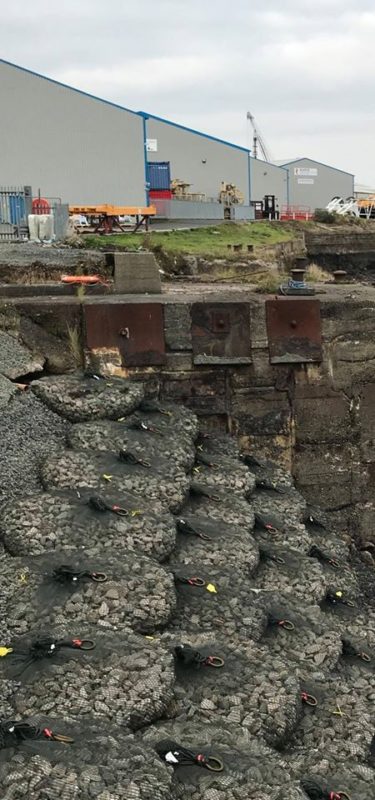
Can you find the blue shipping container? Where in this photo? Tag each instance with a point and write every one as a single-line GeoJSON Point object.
{"type": "Point", "coordinates": [159, 175]}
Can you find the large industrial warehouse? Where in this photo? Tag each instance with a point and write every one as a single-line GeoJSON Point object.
{"type": "Point", "coordinates": [67, 144]}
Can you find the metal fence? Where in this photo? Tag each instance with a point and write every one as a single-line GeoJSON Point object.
{"type": "Point", "coordinates": [15, 205]}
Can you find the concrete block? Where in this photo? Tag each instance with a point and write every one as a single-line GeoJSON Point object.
{"type": "Point", "coordinates": [261, 412]}
{"type": "Point", "coordinates": [136, 273]}
{"type": "Point", "coordinates": [177, 324]}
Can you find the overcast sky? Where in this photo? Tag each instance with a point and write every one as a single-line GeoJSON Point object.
{"type": "Point", "coordinates": [304, 68]}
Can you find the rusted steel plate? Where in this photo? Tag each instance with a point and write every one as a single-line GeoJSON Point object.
{"type": "Point", "coordinates": [136, 330]}
{"type": "Point", "coordinates": [221, 333]}
{"type": "Point", "coordinates": [294, 330]}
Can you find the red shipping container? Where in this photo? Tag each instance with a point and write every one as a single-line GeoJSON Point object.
{"type": "Point", "coordinates": [160, 194]}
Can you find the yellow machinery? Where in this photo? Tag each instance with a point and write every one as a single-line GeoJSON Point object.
{"type": "Point", "coordinates": [229, 195]}
{"type": "Point", "coordinates": [106, 218]}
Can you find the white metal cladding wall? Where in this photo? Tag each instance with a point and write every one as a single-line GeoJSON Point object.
{"type": "Point", "coordinates": [313, 184]}
{"type": "Point", "coordinates": [199, 160]}
{"type": "Point", "coordinates": [268, 179]}
{"type": "Point", "coordinates": [68, 144]}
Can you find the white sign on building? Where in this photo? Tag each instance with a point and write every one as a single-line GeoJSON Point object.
{"type": "Point", "coordinates": [152, 145]}
{"type": "Point", "coordinates": [306, 172]}
{"type": "Point", "coordinates": [306, 181]}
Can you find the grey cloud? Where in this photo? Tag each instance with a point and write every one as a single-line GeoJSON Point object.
{"type": "Point", "coordinates": [304, 69]}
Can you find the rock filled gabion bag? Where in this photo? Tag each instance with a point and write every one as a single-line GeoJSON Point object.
{"type": "Point", "coordinates": [166, 417]}
{"type": "Point", "coordinates": [155, 479]}
{"type": "Point", "coordinates": [225, 473]}
{"type": "Point", "coordinates": [214, 543]}
{"type": "Point", "coordinates": [236, 684]}
{"type": "Point", "coordinates": [209, 762]}
{"type": "Point", "coordinates": [85, 519]}
{"type": "Point", "coordinates": [122, 677]}
{"type": "Point", "coordinates": [79, 398]}
{"type": "Point", "coordinates": [43, 757]}
{"type": "Point", "coordinates": [212, 599]}
{"type": "Point", "coordinates": [62, 588]}
{"type": "Point", "coordinates": [219, 504]}
{"type": "Point", "coordinates": [269, 498]}
{"type": "Point", "coordinates": [291, 573]}
{"type": "Point", "coordinates": [147, 440]}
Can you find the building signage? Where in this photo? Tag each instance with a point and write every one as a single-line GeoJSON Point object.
{"type": "Point", "coordinates": [152, 145]}
{"type": "Point", "coordinates": [306, 172]}
{"type": "Point", "coordinates": [306, 181]}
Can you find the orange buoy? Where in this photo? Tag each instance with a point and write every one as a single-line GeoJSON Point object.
{"type": "Point", "coordinates": [88, 280]}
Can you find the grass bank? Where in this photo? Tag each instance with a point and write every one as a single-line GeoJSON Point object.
{"type": "Point", "coordinates": [210, 241]}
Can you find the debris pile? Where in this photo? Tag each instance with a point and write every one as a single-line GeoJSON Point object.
{"type": "Point", "coordinates": [175, 622]}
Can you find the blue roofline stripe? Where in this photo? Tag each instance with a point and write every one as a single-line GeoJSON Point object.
{"type": "Point", "coordinates": [270, 163]}
{"type": "Point", "coordinates": [314, 161]}
{"type": "Point", "coordinates": [192, 130]}
{"type": "Point", "coordinates": [141, 114]}
{"type": "Point", "coordinates": [66, 86]}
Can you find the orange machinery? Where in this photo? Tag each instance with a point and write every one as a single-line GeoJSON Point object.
{"type": "Point", "coordinates": [107, 217]}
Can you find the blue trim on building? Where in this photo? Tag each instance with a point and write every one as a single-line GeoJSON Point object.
{"type": "Point", "coordinates": [192, 130]}
{"type": "Point", "coordinates": [249, 168]}
{"type": "Point", "coordinates": [66, 86]}
{"type": "Point", "coordinates": [147, 188]}
{"type": "Point", "coordinates": [313, 161]}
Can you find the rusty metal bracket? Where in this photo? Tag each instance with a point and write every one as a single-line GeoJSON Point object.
{"type": "Point", "coordinates": [134, 330]}
{"type": "Point", "coordinates": [221, 333]}
{"type": "Point", "coordinates": [294, 330]}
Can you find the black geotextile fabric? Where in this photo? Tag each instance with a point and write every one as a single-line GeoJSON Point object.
{"type": "Point", "coordinates": [236, 684]}
{"type": "Point", "coordinates": [223, 472]}
{"type": "Point", "coordinates": [97, 761]}
{"type": "Point", "coordinates": [79, 398]}
{"type": "Point", "coordinates": [329, 781]}
{"type": "Point", "coordinates": [86, 519]}
{"type": "Point", "coordinates": [278, 528]}
{"type": "Point", "coordinates": [66, 587]}
{"type": "Point", "coordinates": [250, 769]}
{"type": "Point", "coordinates": [284, 501]}
{"type": "Point", "coordinates": [216, 543]}
{"type": "Point", "coordinates": [146, 440]}
{"type": "Point", "coordinates": [212, 599]}
{"type": "Point", "coordinates": [156, 479]}
{"type": "Point", "coordinates": [123, 677]}
{"type": "Point", "coordinates": [218, 444]}
{"type": "Point", "coordinates": [219, 504]}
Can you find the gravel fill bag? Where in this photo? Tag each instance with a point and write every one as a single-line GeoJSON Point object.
{"type": "Point", "coordinates": [124, 677]}
{"type": "Point", "coordinates": [108, 435]}
{"type": "Point", "coordinates": [292, 573]}
{"type": "Point", "coordinates": [44, 758]}
{"type": "Point", "coordinates": [168, 417]}
{"type": "Point", "coordinates": [217, 600]}
{"type": "Point", "coordinates": [341, 722]}
{"type": "Point", "coordinates": [224, 473]}
{"type": "Point", "coordinates": [78, 398]}
{"type": "Point", "coordinates": [310, 644]}
{"type": "Point", "coordinates": [85, 519]}
{"type": "Point", "coordinates": [218, 445]}
{"type": "Point", "coordinates": [236, 684]}
{"type": "Point", "coordinates": [326, 780]}
{"type": "Point", "coordinates": [214, 543]}
{"type": "Point", "coordinates": [65, 588]}
{"type": "Point", "coordinates": [279, 528]}
{"type": "Point", "coordinates": [219, 504]}
{"type": "Point", "coordinates": [155, 479]}
{"type": "Point", "coordinates": [287, 503]}
{"type": "Point", "coordinates": [249, 772]}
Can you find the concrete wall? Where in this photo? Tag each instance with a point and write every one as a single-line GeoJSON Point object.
{"type": "Point", "coordinates": [184, 209]}
{"type": "Point", "coordinates": [68, 144]}
{"type": "Point", "coordinates": [317, 184]}
{"type": "Point", "coordinates": [198, 159]}
{"type": "Point", "coordinates": [268, 179]}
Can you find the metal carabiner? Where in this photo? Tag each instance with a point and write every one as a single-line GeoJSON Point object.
{"type": "Point", "coordinates": [309, 699]}
{"type": "Point", "coordinates": [348, 603]}
{"type": "Point", "coordinates": [121, 512]}
{"type": "Point", "coordinates": [215, 764]}
{"type": "Point", "coordinates": [364, 657]}
{"type": "Point", "coordinates": [196, 582]}
{"type": "Point", "coordinates": [287, 624]}
{"type": "Point", "coordinates": [271, 529]}
{"type": "Point", "coordinates": [277, 559]}
{"type": "Point", "coordinates": [214, 661]}
{"type": "Point", "coordinates": [342, 796]}
{"type": "Point", "coordinates": [83, 644]}
{"type": "Point", "coordinates": [59, 737]}
{"type": "Point", "coordinates": [98, 577]}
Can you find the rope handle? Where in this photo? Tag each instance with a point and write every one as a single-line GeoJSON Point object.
{"type": "Point", "coordinates": [309, 699]}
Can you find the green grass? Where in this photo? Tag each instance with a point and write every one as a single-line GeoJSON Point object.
{"type": "Point", "coordinates": [211, 241]}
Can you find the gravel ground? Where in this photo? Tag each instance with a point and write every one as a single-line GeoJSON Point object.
{"type": "Point", "coordinates": [269, 560]}
{"type": "Point", "coordinates": [28, 432]}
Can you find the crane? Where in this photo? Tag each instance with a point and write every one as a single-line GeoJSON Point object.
{"type": "Point", "coordinates": [258, 140]}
